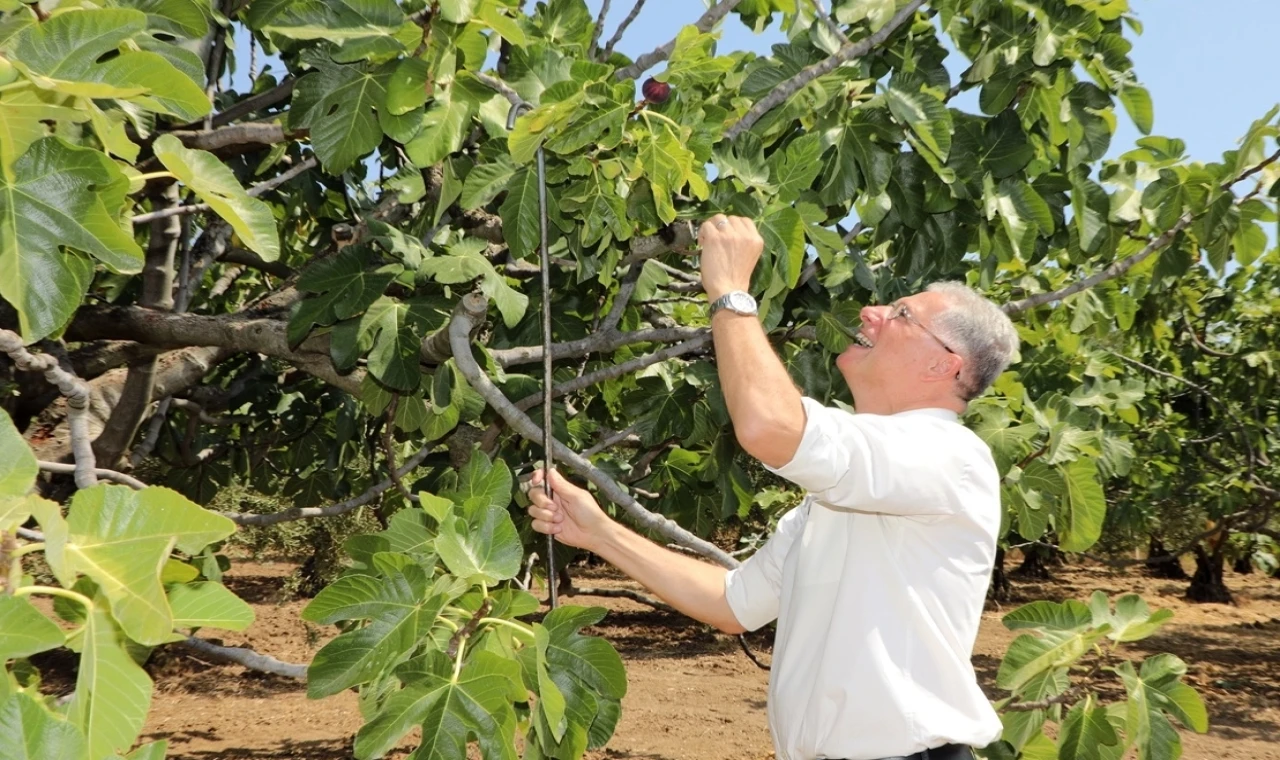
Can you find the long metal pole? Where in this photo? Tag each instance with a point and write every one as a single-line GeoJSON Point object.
{"type": "Point", "coordinates": [545, 256]}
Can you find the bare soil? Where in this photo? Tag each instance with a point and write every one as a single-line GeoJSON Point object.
{"type": "Point", "coordinates": [693, 693]}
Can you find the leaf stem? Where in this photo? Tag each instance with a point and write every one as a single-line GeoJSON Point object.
{"type": "Point", "coordinates": [449, 623]}
{"type": "Point", "coordinates": [55, 591]}
{"type": "Point", "coordinates": [520, 628]}
{"type": "Point", "coordinates": [646, 113]}
{"type": "Point", "coordinates": [457, 663]}
{"type": "Point", "coordinates": [154, 175]}
{"type": "Point", "coordinates": [26, 549]}
{"type": "Point", "coordinates": [18, 85]}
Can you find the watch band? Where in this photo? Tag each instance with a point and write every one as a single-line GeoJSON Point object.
{"type": "Point", "coordinates": [737, 301]}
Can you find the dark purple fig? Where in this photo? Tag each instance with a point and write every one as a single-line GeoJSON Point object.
{"type": "Point", "coordinates": [655, 91]}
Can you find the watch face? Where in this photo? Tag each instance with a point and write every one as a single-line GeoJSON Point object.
{"type": "Point", "coordinates": [742, 303]}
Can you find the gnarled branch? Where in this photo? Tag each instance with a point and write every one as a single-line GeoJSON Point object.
{"type": "Point", "coordinates": [662, 53]}
{"type": "Point", "coordinates": [471, 309]}
{"type": "Point", "coordinates": [246, 657]}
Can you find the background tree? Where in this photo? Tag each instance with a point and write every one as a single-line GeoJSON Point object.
{"type": "Point", "coordinates": [337, 273]}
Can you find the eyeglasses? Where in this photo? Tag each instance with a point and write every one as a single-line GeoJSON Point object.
{"type": "Point", "coordinates": [900, 310]}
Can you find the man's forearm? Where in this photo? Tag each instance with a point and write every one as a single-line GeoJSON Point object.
{"type": "Point", "coordinates": [763, 402]}
{"type": "Point", "coordinates": [694, 588]}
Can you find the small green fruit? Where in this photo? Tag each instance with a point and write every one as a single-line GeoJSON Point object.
{"type": "Point", "coordinates": [8, 74]}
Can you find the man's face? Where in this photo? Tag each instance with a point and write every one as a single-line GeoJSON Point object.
{"type": "Point", "coordinates": [904, 346]}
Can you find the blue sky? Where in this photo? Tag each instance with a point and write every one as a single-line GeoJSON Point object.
{"type": "Point", "coordinates": [1210, 66]}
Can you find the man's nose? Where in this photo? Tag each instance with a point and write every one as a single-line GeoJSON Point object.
{"type": "Point", "coordinates": [874, 316]}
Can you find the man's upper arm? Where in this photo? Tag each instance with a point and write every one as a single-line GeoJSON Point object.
{"type": "Point", "coordinates": [873, 463]}
{"type": "Point", "coordinates": [754, 588]}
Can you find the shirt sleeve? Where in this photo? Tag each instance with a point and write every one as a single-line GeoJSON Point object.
{"type": "Point", "coordinates": [754, 588]}
{"type": "Point", "coordinates": [877, 464]}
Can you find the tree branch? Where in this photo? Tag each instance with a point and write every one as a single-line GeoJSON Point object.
{"type": "Point", "coordinates": [704, 24]}
{"type": "Point", "coordinates": [622, 28]}
{"type": "Point", "coordinates": [599, 27]}
{"type": "Point", "coordinates": [1124, 265]}
{"type": "Point", "coordinates": [256, 190]}
{"type": "Point", "coordinates": [115, 477]}
{"type": "Point", "coordinates": [830, 23]}
{"type": "Point", "coordinates": [610, 441]}
{"type": "Point", "coordinates": [601, 341]}
{"type": "Point", "coordinates": [1043, 704]}
{"type": "Point", "coordinates": [1191, 330]}
{"type": "Point", "coordinates": [500, 86]}
{"type": "Point", "coordinates": [623, 593]}
{"type": "Point", "coordinates": [76, 392]}
{"type": "Point", "coordinates": [252, 260]}
{"type": "Point", "coordinates": [333, 510]}
{"type": "Point", "coordinates": [471, 310]}
{"type": "Point", "coordinates": [280, 92]}
{"type": "Point", "coordinates": [846, 53]}
{"type": "Point", "coordinates": [235, 135]}
{"type": "Point", "coordinates": [247, 658]}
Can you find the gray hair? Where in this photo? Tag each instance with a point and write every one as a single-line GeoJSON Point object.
{"type": "Point", "coordinates": [981, 333]}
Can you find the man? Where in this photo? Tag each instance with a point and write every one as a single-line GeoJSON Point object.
{"type": "Point", "coordinates": [878, 578]}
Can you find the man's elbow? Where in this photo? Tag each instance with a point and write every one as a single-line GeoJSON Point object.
{"type": "Point", "coordinates": [774, 445]}
{"type": "Point", "coordinates": [729, 625]}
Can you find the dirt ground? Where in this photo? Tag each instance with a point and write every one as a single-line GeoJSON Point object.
{"type": "Point", "coordinates": [693, 693]}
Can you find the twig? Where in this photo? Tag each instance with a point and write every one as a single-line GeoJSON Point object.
{"type": "Point", "coordinates": [502, 87]}
{"type": "Point", "coordinates": [252, 260]}
{"type": "Point", "coordinates": [1043, 704]}
{"type": "Point", "coordinates": [63, 468]}
{"type": "Point", "coordinates": [1191, 330]}
{"type": "Point", "coordinates": [256, 190]}
{"type": "Point", "coordinates": [470, 311]}
{"type": "Point", "coordinates": [830, 23]}
{"type": "Point", "coordinates": [388, 447]}
{"type": "Point", "coordinates": [333, 510]}
{"type": "Point", "coordinates": [282, 91]}
{"type": "Point", "coordinates": [648, 60]}
{"type": "Point", "coordinates": [199, 412]}
{"type": "Point", "coordinates": [465, 631]}
{"type": "Point", "coordinates": [624, 593]}
{"type": "Point", "coordinates": [148, 444]}
{"type": "Point", "coordinates": [610, 441]}
{"type": "Point", "coordinates": [75, 390]}
{"type": "Point", "coordinates": [247, 658]}
{"type": "Point", "coordinates": [622, 28]}
{"type": "Point", "coordinates": [213, 73]}
{"type": "Point", "coordinates": [742, 642]}
{"type": "Point", "coordinates": [595, 34]}
{"type": "Point", "coordinates": [846, 53]}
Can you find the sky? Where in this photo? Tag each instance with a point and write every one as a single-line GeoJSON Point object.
{"type": "Point", "coordinates": [1210, 66]}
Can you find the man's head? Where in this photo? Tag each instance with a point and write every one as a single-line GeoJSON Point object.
{"type": "Point", "coordinates": [942, 347]}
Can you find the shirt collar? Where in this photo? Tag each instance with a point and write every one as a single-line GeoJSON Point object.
{"type": "Point", "coordinates": [935, 412]}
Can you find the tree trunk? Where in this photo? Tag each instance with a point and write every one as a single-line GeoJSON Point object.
{"type": "Point", "coordinates": [1036, 561]}
{"type": "Point", "coordinates": [1000, 588]}
{"type": "Point", "coordinates": [1207, 584]}
{"type": "Point", "coordinates": [1244, 563]}
{"type": "Point", "coordinates": [1161, 564]}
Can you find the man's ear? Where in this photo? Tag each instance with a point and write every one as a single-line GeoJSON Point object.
{"type": "Point", "coordinates": [944, 368]}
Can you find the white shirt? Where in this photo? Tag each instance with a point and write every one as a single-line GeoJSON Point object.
{"type": "Point", "coordinates": [877, 581]}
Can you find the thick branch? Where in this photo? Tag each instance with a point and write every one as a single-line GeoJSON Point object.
{"type": "Point", "coordinates": [599, 27]}
{"type": "Point", "coordinates": [472, 310]}
{"type": "Point", "coordinates": [246, 657]}
{"type": "Point", "coordinates": [1067, 696]}
{"type": "Point", "coordinates": [252, 260]}
{"type": "Point", "coordinates": [704, 24]}
{"type": "Point", "coordinates": [76, 393]}
{"type": "Point", "coordinates": [846, 53]}
{"type": "Point", "coordinates": [500, 86]}
{"type": "Point", "coordinates": [333, 510]}
{"type": "Point", "coordinates": [601, 341]}
{"type": "Point", "coordinates": [623, 593]}
{"type": "Point", "coordinates": [277, 94]}
{"type": "Point", "coordinates": [236, 135]}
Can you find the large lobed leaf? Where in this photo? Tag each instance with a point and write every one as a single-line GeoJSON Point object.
{"type": "Point", "coordinates": [58, 195]}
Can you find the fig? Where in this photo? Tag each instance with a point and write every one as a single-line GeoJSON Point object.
{"type": "Point", "coordinates": [8, 74]}
{"type": "Point", "coordinates": [655, 91]}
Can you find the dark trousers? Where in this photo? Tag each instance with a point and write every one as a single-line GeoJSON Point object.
{"type": "Point", "coordinates": [945, 752]}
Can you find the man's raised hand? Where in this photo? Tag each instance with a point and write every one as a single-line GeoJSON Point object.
{"type": "Point", "coordinates": [731, 247]}
{"type": "Point", "coordinates": [572, 516]}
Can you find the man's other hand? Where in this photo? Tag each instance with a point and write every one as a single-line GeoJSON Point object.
{"type": "Point", "coordinates": [572, 516]}
{"type": "Point", "coordinates": [731, 247]}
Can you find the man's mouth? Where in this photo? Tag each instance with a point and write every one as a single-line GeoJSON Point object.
{"type": "Point", "coordinates": [863, 340]}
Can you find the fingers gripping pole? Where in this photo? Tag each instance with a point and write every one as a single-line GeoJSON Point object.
{"type": "Point", "coordinates": [547, 389]}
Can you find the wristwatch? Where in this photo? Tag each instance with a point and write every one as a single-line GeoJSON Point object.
{"type": "Point", "coordinates": [736, 301]}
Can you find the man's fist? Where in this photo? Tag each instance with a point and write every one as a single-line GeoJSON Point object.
{"type": "Point", "coordinates": [731, 246]}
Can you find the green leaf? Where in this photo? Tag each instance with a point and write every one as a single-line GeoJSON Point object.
{"type": "Point", "coordinates": [1084, 731]}
{"type": "Point", "coordinates": [183, 18]}
{"type": "Point", "coordinates": [1092, 208]}
{"type": "Point", "coordinates": [27, 115]}
{"type": "Point", "coordinates": [1031, 656]}
{"type": "Point", "coordinates": [475, 705]}
{"type": "Point", "coordinates": [668, 165]}
{"type": "Point", "coordinates": [1137, 101]}
{"type": "Point", "coordinates": [1153, 692]}
{"type": "Point", "coordinates": [458, 11]}
{"type": "Point", "coordinates": [1065, 616]}
{"type": "Point", "coordinates": [483, 545]}
{"type": "Point", "coordinates": [213, 181]}
{"type": "Point", "coordinates": [783, 233]}
{"type": "Point", "coordinates": [347, 289]}
{"type": "Point", "coordinates": [397, 343]}
{"type": "Point", "coordinates": [1080, 522]}
{"type": "Point", "coordinates": [208, 605]}
{"type": "Point", "coordinates": [444, 126]}
{"type": "Point", "coordinates": [339, 105]}
{"type": "Point", "coordinates": [18, 468]}
{"type": "Point", "coordinates": [926, 116]}
{"type": "Point", "coordinates": [793, 171]}
{"type": "Point", "coordinates": [150, 751]}
{"type": "Point", "coordinates": [63, 54]}
{"type": "Point", "coordinates": [693, 63]}
{"type": "Point", "coordinates": [121, 539]}
{"type": "Point", "coordinates": [401, 610]}
{"type": "Point", "coordinates": [1132, 620]}
{"type": "Point", "coordinates": [486, 181]}
{"type": "Point", "coordinates": [112, 693]}
{"type": "Point", "coordinates": [479, 485]}
{"type": "Point", "coordinates": [490, 14]}
{"type": "Point", "coordinates": [340, 21]}
{"type": "Point", "coordinates": [521, 218]}
{"type": "Point", "coordinates": [551, 701]}
{"type": "Point", "coordinates": [59, 195]}
{"type": "Point", "coordinates": [24, 631]}
{"type": "Point", "coordinates": [592, 660]}
{"type": "Point", "coordinates": [600, 126]}
{"type": "Point", "coordinates": [32, 732]}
